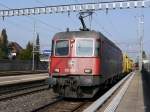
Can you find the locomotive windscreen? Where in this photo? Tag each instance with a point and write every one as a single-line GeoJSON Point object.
{"type": "Point", "coordinates": [84, 47]}
{"type": "Point", "coordinates": [62, 47]}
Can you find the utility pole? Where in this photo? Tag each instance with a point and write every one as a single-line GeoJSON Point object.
{"type": "Point", "coordinates": [33, 52]}
{"type": "Point", "coordinates": [141, 35]}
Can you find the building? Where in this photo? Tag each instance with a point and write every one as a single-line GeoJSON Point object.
{"type": "Point", "coordinates": [44, 56]}
{"type": "Point", "coordinates": [14, 49]}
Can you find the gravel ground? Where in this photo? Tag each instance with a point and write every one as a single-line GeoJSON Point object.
{"type": "Point", "coordinates": [28, 102]}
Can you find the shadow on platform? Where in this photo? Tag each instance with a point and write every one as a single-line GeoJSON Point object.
{"type": "Point", "coordinates": [146, 90]}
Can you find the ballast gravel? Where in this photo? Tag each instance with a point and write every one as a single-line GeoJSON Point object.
{"type": "Point", "coordinates": [28, 103]}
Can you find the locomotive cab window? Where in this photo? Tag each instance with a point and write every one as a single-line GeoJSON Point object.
{"type": "Point", "coordinates": [62, 47]}
{"type": "Point", "coordinates": [84, 47]}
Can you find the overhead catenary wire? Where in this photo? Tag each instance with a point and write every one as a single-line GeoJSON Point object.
{"type": "Point", "coordinates": [102, 27]}
{"type": "Point", "coordinates": [116, 42]}
{"type": "Point", "coordinates": [27, 30]}
{"type": "Point", "coordinates": [40, 2]}
{"type": "Point", "coordinates": [115, 29]}
{"type": "Point", "coordinates": [4, 6]}
{"type": "Point", "coordinates": [20, 25]}
{"type": "Point", "coordinates": [129, 46]}
{"type": "Point", "coordinates": [45, 22]}
{"type": "Point", "coordinates": [23, 27]}
{"type": "Point", "coordinates": [42, 22]}
{"type": "Point", "coordinates": [68, 14]}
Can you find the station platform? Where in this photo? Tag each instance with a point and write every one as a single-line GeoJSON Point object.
{"type": "Point", "coordinates": [137, 96]}
{"type": "Point", "coordinates": [6, 80]}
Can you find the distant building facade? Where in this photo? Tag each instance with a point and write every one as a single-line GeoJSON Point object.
{"type": "Point", "coordinates": [14, 49]}
{"type": "Point", "coordinates": [44, 56]}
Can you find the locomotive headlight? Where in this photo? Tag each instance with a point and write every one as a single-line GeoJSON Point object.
{"type": "Point", "coordinates": [56, 70]}
{"type": "Point", "coordinates": [87, 70]}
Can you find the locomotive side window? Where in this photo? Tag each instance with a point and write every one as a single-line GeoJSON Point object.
{"type": "Point", "coordinates": [97, 48]}
{"type": "Point", "coordinates": [84, 47]}
{"type": "Point", "coordinates": [62, 47]}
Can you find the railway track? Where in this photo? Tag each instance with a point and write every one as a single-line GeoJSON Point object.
{"type": "Point", "coordinates": [16, 85]}
{"type": "Point", "coordinates": [58, 104]}
{"type": "Point", "coordinates": [68, 105]}
{"type": "Point", "coordinates": [14, 90]}
{"type": "Point", "coordinates": [63, 105]}
{"type": "Point", "coordinates": [79, 105]}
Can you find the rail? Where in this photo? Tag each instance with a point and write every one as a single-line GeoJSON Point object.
{"type": "Point", "coordinates": [11, 91]}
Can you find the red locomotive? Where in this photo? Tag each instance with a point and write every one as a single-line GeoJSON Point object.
{"type": "Point", "coordinates": [81, 61]}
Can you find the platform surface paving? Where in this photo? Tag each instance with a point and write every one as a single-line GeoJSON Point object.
{"type": "Point", "coordinates": [22, 78]}
{"type": "Point", "coordinates": [137, 96]}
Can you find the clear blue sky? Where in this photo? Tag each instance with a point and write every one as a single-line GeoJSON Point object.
{"type": "Point", "coordinates": [118, 25]}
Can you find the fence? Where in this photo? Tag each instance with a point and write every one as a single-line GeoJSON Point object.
{"type": "Point", "coordinates": [21, 65]}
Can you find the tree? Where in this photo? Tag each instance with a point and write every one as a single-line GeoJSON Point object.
{"type": "Point", "coordinates": [26, 54]}
{"type": "Point", "coordinates": [37, 49]}
{"type": "Point", "coordinates": [144, 55]}
{"type": "Point", "coordinates": [3, 44]}
{"type": "Point", "coordinates": [37, 43]}
{"type": "Point", "coordinates": [2, 55]}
